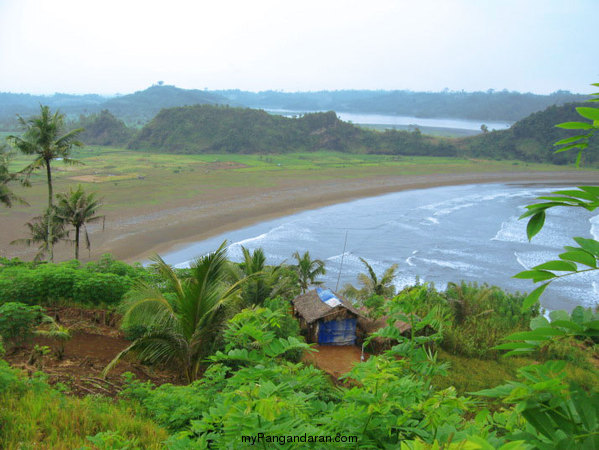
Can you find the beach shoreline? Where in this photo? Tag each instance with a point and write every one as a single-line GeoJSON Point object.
{"type": "Point", "coordinates": [137, 233]}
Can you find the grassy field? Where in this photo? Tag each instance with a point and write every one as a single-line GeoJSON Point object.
{"type": "Point", "coordinates": [124, 178]}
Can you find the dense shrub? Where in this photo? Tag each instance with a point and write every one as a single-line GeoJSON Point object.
{"type": "Point", "coordinates": [18, 322]}
{"type": "Point", "coordinates": [98, 284]}
{"type": "Point", "coordinates": [481, 317]}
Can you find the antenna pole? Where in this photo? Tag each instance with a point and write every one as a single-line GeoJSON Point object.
{"type": "Point", "coordinates": [341, 265]}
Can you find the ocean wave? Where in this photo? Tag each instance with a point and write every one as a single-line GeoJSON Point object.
{"type": "Point", "coordinates": [409, 259]}
{"type": "Point", "coordinates": [512, 230]}
{"type": "Point", "coordinates": [454, 265]}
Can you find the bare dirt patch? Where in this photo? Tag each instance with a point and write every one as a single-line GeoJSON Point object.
{"type": "Point", "coordinates": [336, 360]}
{"type": "Point", "coordinates": [95, 342]}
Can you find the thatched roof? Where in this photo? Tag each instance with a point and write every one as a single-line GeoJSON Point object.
{"type": "Point", "coordinates": [312, 308]}
{"type": "Point", "coordinates": [370, 325]}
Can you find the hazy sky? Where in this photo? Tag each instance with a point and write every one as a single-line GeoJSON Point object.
{"type": "Point", "coordinates": [120, 46]}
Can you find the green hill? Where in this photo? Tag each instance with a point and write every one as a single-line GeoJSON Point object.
{"type": "Point", "coordinates": [141, 106]}
{"type": "Point", "coordinates": [216, 129]}
{"type": "Point", "coordinates": [531, 139]}
{"type": "Point", "coordinates": [103, 129]}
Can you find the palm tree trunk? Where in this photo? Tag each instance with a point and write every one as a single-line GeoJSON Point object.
{"type": "Point", "coordinates": [77, 243]}
{"type": "Point", "coordinates": [50, 212]}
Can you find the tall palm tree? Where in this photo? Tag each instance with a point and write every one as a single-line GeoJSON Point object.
{"type": "Point", "coordinates": [43, 138]}
{"type": "Point", "coordinates": [371, 284]}
{"type": "Point", "coordinates": [180, 329]}
{"type": "Point", "coordinates": [307, 270]}
{"type": "Point", "coordinates": [38, 232]}
{"type": "Point", "coordinates": [77, 208]}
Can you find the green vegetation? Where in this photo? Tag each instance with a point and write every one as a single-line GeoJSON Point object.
{"type": "Point", "coordinates": [307, 270]}
{"type": "Point", "coordinates": [97, 283]}
{"type": "Point", "coordinates": [42, 137]}
{"type": "Point", "coordinates": [371, 285]}
{"type": "Point", "coordinates": [76, 208]}
{"type": "Point", "coordinates": [530, 139]}
{"type": "Point", "coordinates": [180, 328]}
{"type": "Point", "coordinates": [141, 106]}
{"type": "Point", "coordinates": [32, 413]}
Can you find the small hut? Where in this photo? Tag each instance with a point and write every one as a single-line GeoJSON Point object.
{"type": "Point", "coordinates": [327, 317]}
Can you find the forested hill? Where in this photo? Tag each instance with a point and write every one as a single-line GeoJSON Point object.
{"type": "Point", "coordinates": [208, 128]}
{"type": "Point", "coordinates": [490, 105]}
{"type": "Point", "coordinates": [531, 139]}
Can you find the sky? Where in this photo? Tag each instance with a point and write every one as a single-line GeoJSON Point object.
{"type": "Point", "coordinates": [122, 46]}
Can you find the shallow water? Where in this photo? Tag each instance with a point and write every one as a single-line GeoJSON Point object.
{"type": "Point", "coordinates": [435, 235]}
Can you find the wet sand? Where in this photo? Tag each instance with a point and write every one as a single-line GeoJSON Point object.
{"type": "Point", "coordinates": [136, 233]}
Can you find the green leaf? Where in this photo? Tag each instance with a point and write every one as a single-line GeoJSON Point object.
{"type": "Point", "coordinates": [540, 334]}
{"type": "Point", "coordinates": [559, 314]}
{"type": "Point", "coordinates": [535, 275]}
{"type": "Point", "coordinates": [581, 145]}
{"type": "Point", "coordinates": [588, 113]}
{"type": "Point", "coordinates": [568, 324]}
{"type": "Point", "coordinates": [580, 256]}
{"type": "Point", "coordinates": [538, 322]}
{"type": "Point", "coordinates": [590, 245]}
{"type": "Point", "coordinates": [533, 297]}
{"type": "Point", "coordinates": [562, 266]}
{"type": "Point", "coordinates": [571, 139]}
{"type": "Point", "coordinates": [514, 346]}
{"type": "Point", "coordinates": [535, 224]}
{"type": "Point", "coordinates": [575, 126]}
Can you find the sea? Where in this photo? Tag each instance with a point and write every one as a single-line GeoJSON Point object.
{"type": "Point", "coordinates": [435, 235]}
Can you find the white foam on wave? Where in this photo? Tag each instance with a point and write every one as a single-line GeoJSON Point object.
{"type": "Point", "coordinates": [512, 230]}
{"type": "Point", "coordinates": [431, 220]}
{"type": "Point", "coordinates": [410, 259]}
{"type": "Point", "coordinates": [454, 265]}
{"type": "Point", "coordinates": [520, 261]}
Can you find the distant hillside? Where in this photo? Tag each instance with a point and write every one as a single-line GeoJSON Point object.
{"type": "Point", "coordinates": [103, 129]}
{"type": "Point", "coordinates": [490, 106]}
{"type": "Point", "coordinates": [138, 108]}
{"type": "Point", "coordinates": [531, 139]}
{"type": "Point", "coordinates": [143, 105]}
{"type": "Point", "coordinates": [208, 129]}
{"type": "Point", "coordinates": [216, 129]}
{"type": "Point", "coordinates": [135, 109]}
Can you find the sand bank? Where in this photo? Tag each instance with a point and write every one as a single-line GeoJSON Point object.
{"type": "Point", "coordinates": [134, 234]}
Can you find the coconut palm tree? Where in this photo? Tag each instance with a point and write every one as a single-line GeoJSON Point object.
{"type": "Point", "coordinates": [181, 328]}
{"type": "Point", "coordinates": [77, 208]}
{"type": "Point", "coordinates": [38, 232]}
{"type": "Point", "coordinates": [42, 137]}
{"type": "Point", "coordinates": [307, 270]}
{"type": "Point", "coordinates": [262, 281]}
{"type": "Point", "coordinates": [371, 284]}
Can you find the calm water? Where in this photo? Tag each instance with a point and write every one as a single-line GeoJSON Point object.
{"type": "Point", "coordinates": [437, 235]}
{"type": "Point", "coordinates": [381, 119]}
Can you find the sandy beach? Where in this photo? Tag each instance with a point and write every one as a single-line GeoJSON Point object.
{"type": "Point", "coordinates": [134, 234]}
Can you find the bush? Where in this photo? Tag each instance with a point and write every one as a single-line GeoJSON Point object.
{"type": "Point", "coordinates": [49, 283]}
{"type": "Point", "coordinates": [18, 321]}
{"type": "Point", "coordinates": [101, 288]}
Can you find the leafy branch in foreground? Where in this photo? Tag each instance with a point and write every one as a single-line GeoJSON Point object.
{"type": "Point", "coordinates": [587, 197]}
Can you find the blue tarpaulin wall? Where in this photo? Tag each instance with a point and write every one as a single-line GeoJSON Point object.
{"type": "Point", "coordinates": [337, 332]}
